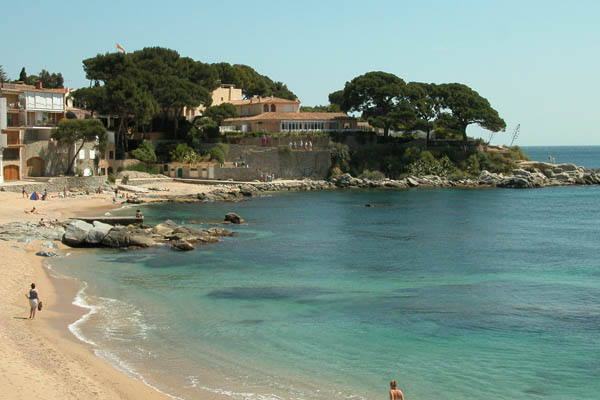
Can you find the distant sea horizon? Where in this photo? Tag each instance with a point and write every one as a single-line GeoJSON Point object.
{"type": "Point", "coordinates": [583, 156]}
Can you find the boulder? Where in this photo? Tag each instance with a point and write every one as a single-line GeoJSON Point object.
{"type": "Point", "coordinates": [233, 218]}
{"type": "Point", "coordinates": [563, 177]}
{"type": "Point", "coordinates": [44, 253]}
{"type": "Point", "coordinates": [412, 182]}
{"type": "Point", "coordinates": [98, 232]}
{"type": "Point", "coordinates": [141, 241]}
{"type": "Point", "coordinates": [182, 245]}
{"type": "Point", "coordinates": [219, 232]}
{"type": "Point", "coordinates": [76, 233]}
{"type": "Point", "coordinates": [116, 238]}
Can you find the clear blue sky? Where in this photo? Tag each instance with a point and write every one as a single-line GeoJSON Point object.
{"type": "Point", "coordinates": [535, 61]}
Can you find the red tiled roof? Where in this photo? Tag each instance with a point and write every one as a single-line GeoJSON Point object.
{"type": "Point", "coordinates": [262, 100]}
{"type": "Point", "coordinates": [292, 116]}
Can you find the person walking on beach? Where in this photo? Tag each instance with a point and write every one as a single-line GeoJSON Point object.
{"type": "Point", "coordinates": [24, 192]}
{"type": "Point", "coordinates": [395, 394]}
{"type": "Point", "coordinates": [34, 299]}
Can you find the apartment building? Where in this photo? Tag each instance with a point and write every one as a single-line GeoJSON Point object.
{"type": "Point", "coordinates": [30, 114]}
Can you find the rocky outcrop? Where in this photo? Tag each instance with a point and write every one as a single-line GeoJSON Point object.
{"type": "Point", "coordinates": [82, 234]}
{"type": "Point", "coordinates": [98, 232]}
{"type": "Point", "coordinates": [233, 218]}
{"type": "Point", "coordinates": [182, 245]}
{"type": "Point", "coordinates": [76, 233]}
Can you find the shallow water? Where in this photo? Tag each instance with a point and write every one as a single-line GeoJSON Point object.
{"type": "Point", "coordinates": [490, 293]}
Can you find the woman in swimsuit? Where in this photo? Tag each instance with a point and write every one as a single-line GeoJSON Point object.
{"type": "Point", "coordinates": [34, 299]}
{"type": "Point", "coordinates": [395, 394]}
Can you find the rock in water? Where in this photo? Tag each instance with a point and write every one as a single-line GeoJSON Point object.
{"type": "Point", "coordinates": [182, 245]}
{"type": "Point", "coordinates": [76, 233]}
{"type": "Point", "coordinates": [233, 218]}
{"type": "Point", "coordinates": [116, 238]}
{"type": "Point", "coordinates": [141, 241]}
{"type": "Point", "coordinates": [98, 232]}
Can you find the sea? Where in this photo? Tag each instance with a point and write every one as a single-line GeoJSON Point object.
{"type": "Point", "coordinates": [454, 293]}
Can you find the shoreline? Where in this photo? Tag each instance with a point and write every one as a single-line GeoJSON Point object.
{"type": "Point", "coordinates": [42, 357]}
{"type": "Point", "coordinates": [46, 349]}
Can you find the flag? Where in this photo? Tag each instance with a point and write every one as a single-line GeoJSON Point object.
{"type": "Point", "coordinates": [119, 47]}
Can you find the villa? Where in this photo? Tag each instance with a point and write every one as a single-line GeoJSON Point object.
{"type": "Point", "coordinates": [272, 114]}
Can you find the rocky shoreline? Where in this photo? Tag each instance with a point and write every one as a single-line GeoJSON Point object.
{"type": "Point", "coordinates": [528, 175]}
{"type": "Point", "coordinates": [77, 233]}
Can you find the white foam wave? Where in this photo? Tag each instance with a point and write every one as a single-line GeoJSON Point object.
{"type": "Point", "coordinates": [75, 326]}
{"type": "Point", "coordinates": [128, 370]}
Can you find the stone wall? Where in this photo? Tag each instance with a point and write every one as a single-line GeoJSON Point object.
{"type": "Point", "coordinates": [56, 158]}
{"type": "Point", "coordinates": [294, 164]}
{"type": "Point", "coordinates": [54, 185]}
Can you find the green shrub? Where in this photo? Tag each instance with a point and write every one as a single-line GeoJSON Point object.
{"type": "Point", "coordinates": [518, 154]}
{"type": "Point", "coordinates": [79, 172]}
{"type": "Point", "coordinates": [284, 150]}
{"type": "Point", "coordinates": [125, 179]}
{"type": "Point", "coordinates": [426, 156]}
{"type": "Point", "coordinates": [216, 154]}
{"type": "Point", "coordinates": [224, 147]}
{"type": "Point", "coordinates": [473, 166]}
{"type": "Point", "coordinates": [372, 175]}
{"type": "Point", "coordinates": [145, 152]}
{"type": "Point", "coordinates": [441, 167]}
{"type": "Point", "coordinates": [184, 153]}
{"type": "Point", "coordinates": [111, 178]}
{"type": "Point", "coordinates": [411, 154]}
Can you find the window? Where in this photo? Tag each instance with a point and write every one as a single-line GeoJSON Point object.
{"type": "Point", "coordinates": [82, 154]}
{"type": "Point", "coordinates": [273, 109]}
{"type": "Point", "coordinates": [111, 155]}
{"type": "Point", "coordinates": [287, 108]}
{"type": "Point", "coordinates": [266, 108]}
{"type": "Point", "coordinates": [293, 108]}
{"type": "Point", "coordinates": [92, 154]}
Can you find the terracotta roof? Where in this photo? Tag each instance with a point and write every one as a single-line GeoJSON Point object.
{"type": "Point", "coordinates": [292, 116]}
{"type": "Point", "coordinates": [262, 100]}
{"type": "Point", "coordinates": [21, 87]}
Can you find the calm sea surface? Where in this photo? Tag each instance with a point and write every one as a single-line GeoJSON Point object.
{"type": "Point", "coordinates": [472, 294]}
{"type": "Point", "coordinates": [585, 156]}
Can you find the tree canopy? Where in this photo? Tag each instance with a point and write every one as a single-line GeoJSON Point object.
{"type": "Point", "coordinates": [387, 102]}
{"type": "Point", "coordinates": [145, 152]}
{"type": "Point", "coordinates": [79, 132]}
{"type": "Point", "coordinates": [157, 82]}
{"type": "Point", "coordinates": [380, 97]}
{"type": "Point", "coordinates": [3, 76]}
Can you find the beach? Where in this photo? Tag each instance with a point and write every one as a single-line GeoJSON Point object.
{"type": "Point", "coordinates": [41, 358]}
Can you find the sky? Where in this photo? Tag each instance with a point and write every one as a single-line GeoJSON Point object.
{"type": "Point", "coordinates": [535, 61]}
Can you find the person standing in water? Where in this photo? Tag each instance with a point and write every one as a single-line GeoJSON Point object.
{"type": "Point", "coordinates": [395, 394]}
{"type": "Point", "coordinates": [34, 299]}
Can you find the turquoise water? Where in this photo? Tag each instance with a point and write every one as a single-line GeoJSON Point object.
{"type": "Point", "coordinates": [471, 294]}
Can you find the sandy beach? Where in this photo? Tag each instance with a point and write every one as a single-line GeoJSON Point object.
{"type": "Point", "coordinates": [40, 358]}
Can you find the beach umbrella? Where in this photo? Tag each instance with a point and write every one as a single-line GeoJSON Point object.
{"type": "Point", "coordinates": [34, 196]}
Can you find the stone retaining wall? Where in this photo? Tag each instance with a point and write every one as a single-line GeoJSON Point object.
{"type": "Point", "coordinates": [54, 185]}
